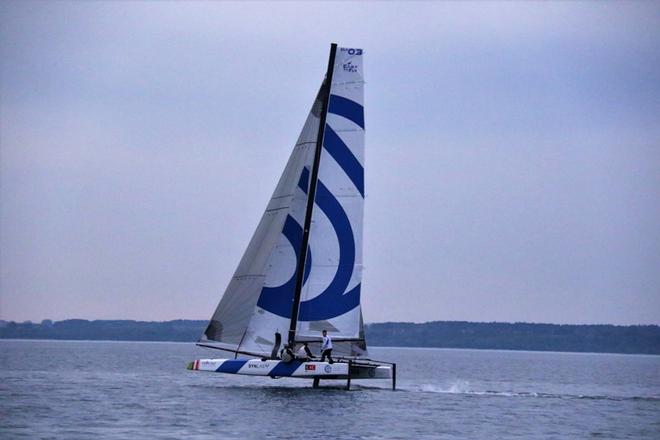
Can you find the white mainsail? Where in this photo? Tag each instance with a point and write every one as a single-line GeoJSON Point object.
{"type": "Point", "coordinates": [258, 301]}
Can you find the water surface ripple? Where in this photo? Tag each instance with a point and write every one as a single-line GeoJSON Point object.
{"type": "Point", "coordinates": [119, 390]}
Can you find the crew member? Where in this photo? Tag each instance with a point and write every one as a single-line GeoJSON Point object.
{"type": "Point", "coordinates": [287, 354]}
{"type": "Point", "coordinates": [326, 348]}
{"type": "Point", "coordinates": [304, 353]}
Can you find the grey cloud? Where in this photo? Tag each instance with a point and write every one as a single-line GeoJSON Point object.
{"type": "Point", "coordinates": [513, 158]}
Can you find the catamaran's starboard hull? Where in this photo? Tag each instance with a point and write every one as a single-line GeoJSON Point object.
{"type": "Point", "coordinates": [278, 368]}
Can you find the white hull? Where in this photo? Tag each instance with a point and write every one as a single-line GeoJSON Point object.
{"type": "Point", "coordinates": [308, 370]}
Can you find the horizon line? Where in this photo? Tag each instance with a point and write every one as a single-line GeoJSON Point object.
{"type": "Point", "coordinates": [366, 323]}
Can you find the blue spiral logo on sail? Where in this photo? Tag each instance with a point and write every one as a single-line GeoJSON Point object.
{"type": "Point", "coordinates": [334, 300]}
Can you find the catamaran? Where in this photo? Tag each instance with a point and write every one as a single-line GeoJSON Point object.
{"type": "Point", "coordinates": [302, 270]}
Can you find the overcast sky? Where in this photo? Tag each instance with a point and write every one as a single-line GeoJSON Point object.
{"type": "Point", "coordinates": [512, 173]}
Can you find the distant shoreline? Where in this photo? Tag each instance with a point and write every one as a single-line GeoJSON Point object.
{"type": "Point", "coordinates": [565, 338]}
{"type": "Point", "coordinates": [112, 341]}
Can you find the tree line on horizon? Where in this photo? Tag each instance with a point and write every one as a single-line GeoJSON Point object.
{"type": "Point", "coordinates": [598, 338]}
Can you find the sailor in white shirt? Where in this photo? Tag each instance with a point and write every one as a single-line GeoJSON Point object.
{"type": "Point", "coordinates": [286, 354]}
{"type": "Point", "coordinates": [326, 348]}
{"type": "Point", "coordinates": [304, 353]}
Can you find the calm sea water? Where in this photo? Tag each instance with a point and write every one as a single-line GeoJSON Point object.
{"type": "Point", "coordinates": [81, 390]}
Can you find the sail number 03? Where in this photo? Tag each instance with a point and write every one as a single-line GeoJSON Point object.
{"type": "Point", "coordinates": [352, 51]}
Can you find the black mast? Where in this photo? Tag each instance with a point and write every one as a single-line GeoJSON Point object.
{"type": "Point", "coordinates": [300, 271]}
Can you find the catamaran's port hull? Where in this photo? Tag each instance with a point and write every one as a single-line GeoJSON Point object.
{"type": "Point", "coordinates": [308, 370]}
